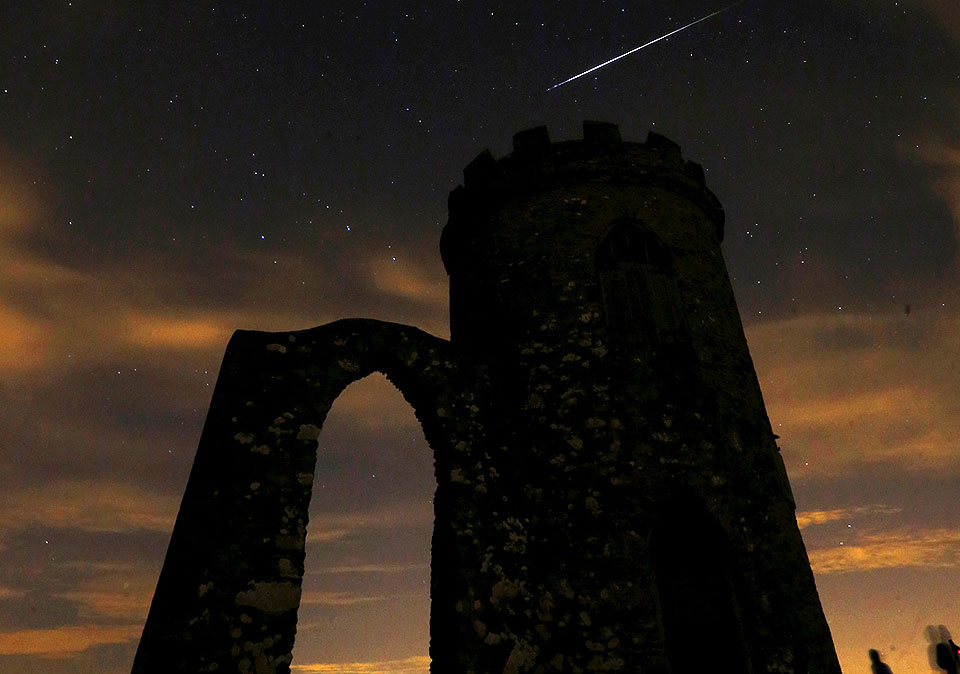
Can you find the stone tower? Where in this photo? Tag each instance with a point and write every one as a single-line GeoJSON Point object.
{"type": "Point", "coordinates": [610, 495]}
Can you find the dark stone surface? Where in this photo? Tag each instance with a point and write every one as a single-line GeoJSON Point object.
{"type": "Point", "coordinates": [610, 493]}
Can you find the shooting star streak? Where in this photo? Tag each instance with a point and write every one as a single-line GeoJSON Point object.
{"type": "Point", "coordinates": [635, 49]}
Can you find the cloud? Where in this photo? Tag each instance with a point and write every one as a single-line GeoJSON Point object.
{"type": "Point", "coordinates": [846, 390]}
{"type": "Point", "coordinates": [414, 665]}
{"type": "Point", "coordinates": [374, 568]}
{"type": "Point", "coordinates": [331, 526]}
{"type": "Point", "coordinates": [55, 318]}
{"type": "Point", "coordinates": [111, 601]}
{"type": "Point", "coordinates": [326, 598]}
{"type": "Point", "coordinates": [132, 605]}
{"type": "Point", "coordinates": [112, 592]}
{"type": "Point", "coordinates": [154, 331]}
{"type": "Point", "coordinates": [21, 201]}
{"type": "Point", "coordinates": [407, 281]}
{"type": "Point", "coordinates": [9, 593]}
{"type": "Point", "coordinates": [813, 517]}
{"type": "Point", "coordinates": [65, 641]}
{"type": "Point", "coordinates": [932, 548]}
{"type": "Point", "coordinates": [861, 407]}
{"type": "Point", "coordinates": [87, 505]}
{"type": "Point", "coordinates": [944, 158]}
{"type": "Point", "coordinates": [409, 290]}
{"type": "Point", "coordinates": [89, 566]}
{"type": "Point", "coordinates": [25, 341]}
{"type": "Point", "coordinates": [374, 404]}
{"type": "Point", "coordinates": [13, 209]}
{"type": "Point", "coordinates": [126, 309]}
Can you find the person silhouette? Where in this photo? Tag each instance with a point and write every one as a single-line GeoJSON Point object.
{"type": "Point", "coordinates": [942, 651]}
{"type": "Point", "coordinates": [946, 659]}
{"type": "Point", "coordinates": [878, 666]}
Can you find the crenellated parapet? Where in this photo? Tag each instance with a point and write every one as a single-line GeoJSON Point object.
{"type": "Point", "coordinates": [600, 157]}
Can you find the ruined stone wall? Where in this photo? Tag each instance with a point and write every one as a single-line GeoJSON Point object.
{"type": "Point", "coordinates": [610, 494]}
{"type": "Point", "coordinates": [229, 588]}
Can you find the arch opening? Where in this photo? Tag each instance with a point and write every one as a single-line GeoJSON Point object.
{"type": "Point", "coordinates": [697, 591]}
{"type": "Point", "coordinates": [366, 585]}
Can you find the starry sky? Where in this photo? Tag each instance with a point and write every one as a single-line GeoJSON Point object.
{"type": "Point", "coordinates": [170, 172]}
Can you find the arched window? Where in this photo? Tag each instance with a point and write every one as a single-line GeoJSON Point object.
{"type": "Point", "coordinates": [697, 591]}
{"type": "Point", "coordinates": [641, 298]}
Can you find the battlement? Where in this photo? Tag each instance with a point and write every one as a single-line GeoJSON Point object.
{"type": "Point", "coordinates": [601, 155]}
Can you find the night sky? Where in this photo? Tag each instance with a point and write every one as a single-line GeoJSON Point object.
{"type": "Point", "coordinates": [170, 172]}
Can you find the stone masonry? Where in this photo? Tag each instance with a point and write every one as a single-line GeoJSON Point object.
{"type": "Point", "coordinates": [610, 495]}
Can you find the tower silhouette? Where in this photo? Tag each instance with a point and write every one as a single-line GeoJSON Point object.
{"type": "Point", "coordinates": [610, 496]}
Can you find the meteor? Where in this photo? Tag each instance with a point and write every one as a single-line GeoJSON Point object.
{"type": "Point", "coordinates": [662, 37]}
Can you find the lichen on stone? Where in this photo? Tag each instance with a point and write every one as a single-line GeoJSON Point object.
{"type": "Point", "coordinates": [271, 598]}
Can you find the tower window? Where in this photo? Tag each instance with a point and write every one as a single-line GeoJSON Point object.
{"type": "Point", "coordinates": [641, 298]}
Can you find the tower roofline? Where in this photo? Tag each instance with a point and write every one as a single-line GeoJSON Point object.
{"type": "Point", "coordinates": [600, 155]}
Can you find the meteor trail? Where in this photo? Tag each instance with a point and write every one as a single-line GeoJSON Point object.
{"type": "Point", "coordinates": [662, 37]}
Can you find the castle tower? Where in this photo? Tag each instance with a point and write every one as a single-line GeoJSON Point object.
{"type": "Point", "coordinates": [610, 493]}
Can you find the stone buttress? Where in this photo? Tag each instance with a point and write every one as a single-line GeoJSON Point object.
{"type": "Point", "coordinates": [610, 495]}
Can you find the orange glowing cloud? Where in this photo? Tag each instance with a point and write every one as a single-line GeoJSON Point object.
{"type": "Point", "coordinates": [9, 593]}
{"type": "Point", "coordinates": [87, 505]}
{"type": "Point", "coordinates": [860, 407]}
{"type": "Point", "coordinates": [23, 269]}
{"type": "Point", "coordinates": [321, 598]}
{"type": "Point", "coordinates": [843, 390]}
{"type": "Point", "coordinates": [374, 568]}
{"type": "Point", "coordinates": [13, 210]}
{"type": "Point", "coordinates": [374, 403]}
{"type": "Point", "coordinates": [20, 201]}
{"type": "Point", "coordinates": [932, 548]}
{"type": "Point", "coordinates": [24, 342]}
{"type": "Point", "coordinates": [331, 526]}
{"type": "Point", "coordinates": [128, 604]}
{"type": "Point", "coordinates": [813, 517]}
{"type": "Point", "coordinates": [406, 281]}
{"type": "Point", "coordinates": [414, 665]}
{"type": "Point", "coordinates": [160, 332]}
{"type": "Point", "coordinates": [117, 592]}
{"type": "Point", "coordinates": [65, 641]}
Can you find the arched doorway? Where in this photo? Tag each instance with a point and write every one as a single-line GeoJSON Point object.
{"type": "Point", "coordinates": [367, 567]}
{"type": "Point", "coordinates": [697, 591]}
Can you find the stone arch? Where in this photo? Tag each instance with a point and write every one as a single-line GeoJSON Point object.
{"type": "Point", "coordinates": [233, 569]}
{"type": "Point", "coordinates": [638, 284]}
{"type": "Point", "coordinates": [698, 588]}
{"type": "Point", "coordinates": [370, 528]}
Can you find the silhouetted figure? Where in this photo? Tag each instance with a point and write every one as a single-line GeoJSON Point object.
{"type": "Point", "coordinates": [947, 653]}
{"type": "Point", "coordinates": [942, 655]}
{"type": "Point", "coordinates": [878, 666]}
{"type": "Point", "coordinates": [946, 659]}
